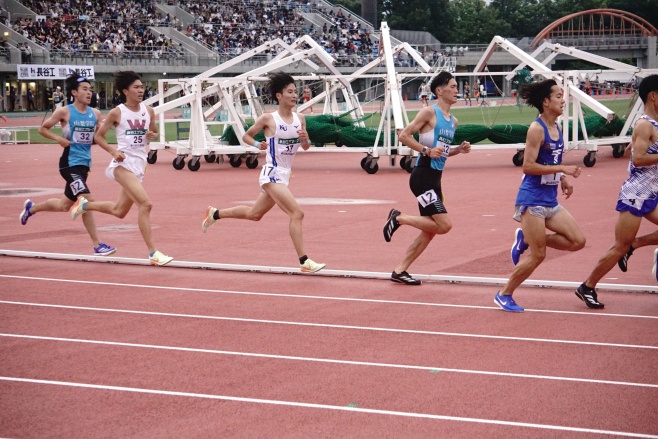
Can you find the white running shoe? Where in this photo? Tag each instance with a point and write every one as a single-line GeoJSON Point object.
{"type": "Point", "coordinates": [311, 267]}
{"type": "Point", "coordinates": [160, 259]}
{"type": "Point", "coordinates": [209, 220]}
{"type": "Point", "coordinates": [79, 207]}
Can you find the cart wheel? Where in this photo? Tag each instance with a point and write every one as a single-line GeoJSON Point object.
{"type": "Point", "coordinates": [518, 158]}
{"type": "Point", "coordinates": [368, 165]}
{"type": "Point", "coordinates": [339, 143]}
{"type": "Point", "coordinates": [618, 150]}
{"type": "Point", "coordinates": [209, 158]}
{"type": "Point", "coordinates": [252, 162]}
{"type": "Point", "coordinates": [179, 162]}
{"type": "Point", "coordinates": [235, 160]}
{"type": "Point", "coordinates": [194, 164]}
{"type": "Point", "coordinates": [318, 144]}
{"type": "Point", "coordinates": [372, 169]}
{"type": "Point", "coordinates": [590, 159]}
{"type": "Point", "coordinates": [152, 157]}
{"type": "Point", "coordinates": [403, 161]}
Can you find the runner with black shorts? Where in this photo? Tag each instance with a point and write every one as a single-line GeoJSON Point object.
{"type": "Point", "coordinates": [79, 123]}
{"type": "Point", "coordinates": [436, 128]}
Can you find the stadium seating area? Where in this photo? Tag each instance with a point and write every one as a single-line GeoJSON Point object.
{"type": "Point", "coordinates": [120, 28]}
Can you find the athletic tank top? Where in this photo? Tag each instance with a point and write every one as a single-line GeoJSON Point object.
{"type": "Point", "coordinates": [440, 137]}
{"type": "Point", "coordinates": [131, 131]}
{"type": "Point", "coordinates": [642, 182]}
{"type": "Point", "coordinates": [284, 144]}
{"type": "Point", "coordinates": [541, 190]}
{"type": "Point", "coordinates": [80, 131]}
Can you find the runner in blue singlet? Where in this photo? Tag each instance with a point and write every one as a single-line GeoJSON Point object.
{"type": "Point", "coordinates": [537, 207]}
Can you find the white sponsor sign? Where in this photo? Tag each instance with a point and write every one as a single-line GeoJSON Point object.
{"type": "Point", "coordinates": [44, 71]}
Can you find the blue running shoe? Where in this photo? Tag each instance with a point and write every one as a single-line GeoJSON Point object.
{"type": "Point", "coordinates": [654, 270]}
{"type": "Point", "coordinates": [519, 246]}
{"type": "Point", "coordinates": [104, 250]}
{"type": "Point", "coordinates": [507, 303]}
{"type": "Point", "coordinates": [25, 214]}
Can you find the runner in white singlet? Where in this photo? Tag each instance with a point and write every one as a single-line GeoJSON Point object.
{"type": "Point", "coordinates": [134, 124]}
{"type": "Point", "coordinates": [285, 132]}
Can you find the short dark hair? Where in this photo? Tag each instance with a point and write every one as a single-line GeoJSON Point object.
{"type": "Point", "coordinates": [277, 83]}
{"type": "Point", "coordinates": [535, 93]}
{"type": "Point", "coordinates": [440, 80]}
{"type": "Point", "coordinates": [648, 84]}
{"type": "Point", "coordinates": [73, 82]}
{"type": "Point", "coordinates": [123, 79]}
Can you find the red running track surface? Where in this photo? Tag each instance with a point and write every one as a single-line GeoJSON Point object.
{"type": "Point", "coordinates": [132, 351]}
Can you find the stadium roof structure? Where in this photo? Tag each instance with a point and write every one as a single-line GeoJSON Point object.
{"type": "Point", "coordinates": [596, 23]}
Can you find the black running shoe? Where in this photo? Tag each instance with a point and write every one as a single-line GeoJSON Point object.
{"type": "Point", "coordinates": [623, 262]}
{"type": "Point", "coordinates": [391, 225]}
{"type": "Point", "coordinates": [588, 295]}
{"type": "Point", "coordinates": [404, 278]}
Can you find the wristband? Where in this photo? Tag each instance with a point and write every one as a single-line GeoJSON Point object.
{"type": "Point", "coordinates": [256, 144]}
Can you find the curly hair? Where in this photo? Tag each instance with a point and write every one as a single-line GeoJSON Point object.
{"type": "Point", "coordinates": [277, 83]}
{"type": "Point", "coordinates": [535, 93]}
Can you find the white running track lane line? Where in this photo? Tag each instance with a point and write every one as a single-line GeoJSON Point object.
{"type": "Point", "coordinates": [329, 360]}
{"type": "Point", "coordinates": [328, 325]}
{"type": "Point", "coordinates": [305, 296]}
{"type": "Point", "coordinates": [327, 407]}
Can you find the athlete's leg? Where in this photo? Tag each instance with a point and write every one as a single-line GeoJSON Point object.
{"type": "Point", "coordinates": [625, 231]}
{"type": "Point", "coordinates": [90, 223]}
{"type": "Point", "coordinates": [567, 234]}
{"type": "Point", "coordinates": [438, 224]}
{"type": "Point", "coordinates": [415, 249]}
{"type": "Point", "coordinates": [285, 200]}
{"type": "Point", "coordinates": [263, 204]}
{"type": "Point", "coordinates": [62, 204]}
{"type": "Point", "coordinates": [534, 231]}
{"type": "Point", "coordinates": [651, 238]}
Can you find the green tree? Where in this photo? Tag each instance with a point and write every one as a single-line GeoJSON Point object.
{"type": "Point", "coordinates": [422, 15]}
{"type": "Point", "coordinates": [475, 23]}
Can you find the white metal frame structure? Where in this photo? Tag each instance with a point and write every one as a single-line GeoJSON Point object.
{"type": "Point", "coordinates": [572, 93]}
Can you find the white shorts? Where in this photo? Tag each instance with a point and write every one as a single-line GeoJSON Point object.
{"type": "Point", "coordinates": [136, 165]}
{"type": "Point", "coordinates": [538, 211]}
{"type": "Point", "coordinates": [271, 174]}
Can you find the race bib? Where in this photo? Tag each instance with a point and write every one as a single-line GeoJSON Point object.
{"type": "Point", "coordinates": [444, 147]}
{"type": "Point", "coordinates": [83, 136]}
{"type": "Point", "coordinates": [427, 198]}
{"type": "Point", "coordinates": [136, 138]}
{"type": "Point", "coordinates": [551, 179]}
{"type": "Point", "coordinates": [77, 186]}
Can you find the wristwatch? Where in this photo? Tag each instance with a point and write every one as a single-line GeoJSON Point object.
{"type": "Point", "coordinates": [425, 150]}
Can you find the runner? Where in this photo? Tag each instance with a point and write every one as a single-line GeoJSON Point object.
{"type": "Point", "coordinates": [285, 132]}
{"type": "Point", "coordinates": [436, 128]}
{"type": "Point", "coordinates": [79, 122]}
{"type": "Point", "coordinates": [638, 197]}
{"type": "Point", "coordinates": [134, 124]}
{"type": "Point", "coordinates": [537, 207]}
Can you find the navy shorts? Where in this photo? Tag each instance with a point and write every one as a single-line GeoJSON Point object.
{"type": "Point", "coordinates": [425, 183]}
{"type": "Point", "coordinates": [637, 207]}
{"type": "Point", "coordinates": [76, 181]}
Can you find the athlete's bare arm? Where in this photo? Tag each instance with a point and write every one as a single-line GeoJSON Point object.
{"type": "Point", "coordinates": [265, 123]}
{"type": "Point", "coordinates": [60, 115]}
{"type": "Point", "coordinates": [644, 135]}
{"type": "Point", "coordinates": [152, 133]}
{"type": "Point", "coordinates": [423, 122]}
{"type": "Point", "coordinates": [303, 134]}
{"type": "Point", "coordinates": [113, 119]}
